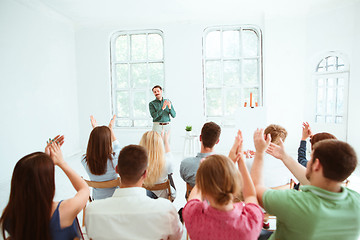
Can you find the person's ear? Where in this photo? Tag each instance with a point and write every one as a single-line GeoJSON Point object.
{"type": "Point", "coordinates": [316, 165]}
{"type": "Point", "coordinates": [217, 141]}
{"type": "Point", "coordinates": [200, 138]}
{"type": "Point", "coordinates": [116, 169]}
{"type": "Point", "coordinates": [145, 174]}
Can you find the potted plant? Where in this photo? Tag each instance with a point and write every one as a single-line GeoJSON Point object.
{"type": "Point", "coordinates": [188, 130]}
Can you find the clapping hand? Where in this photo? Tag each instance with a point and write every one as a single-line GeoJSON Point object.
{"type": "Point", "coordinates": [112, 122]}
{"type": "Point", "coordinates": [93, 121]}
{"type": "Point", "coordinates": [236, 149]}
{"type": "Point", "coordinates": [306, 131]}
{"type": "Point", "coordinates": [59, 139]}
{"type": "Point", "coordinates": [277, 151]}
{"type": "Point", "coordinates": [261, 141]}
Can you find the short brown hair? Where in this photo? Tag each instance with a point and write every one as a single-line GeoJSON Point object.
{"type": "Point", "coordinates": [210, 134]}
{"type": "Point", "coordinates": [156, 86]}
{"type": "Point", "coordinates": [276, 132]}
{"type": "Point", "coordinates": [319, 137]}
{"type": "Point", "coordinates": [218, 177]}
{"type": "Point", "coordinates": [337, 158]}
{"type": "Point", "coordinates": [132, 163]}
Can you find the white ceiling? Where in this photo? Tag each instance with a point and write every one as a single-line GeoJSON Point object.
{"type": "Point", "coordinates": [88, 12]}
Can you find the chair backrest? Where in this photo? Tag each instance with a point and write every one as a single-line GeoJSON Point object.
{"type": "Point", "coordinates": [105, 184]}
{"type": "Point", "coordinates": [160, 186]}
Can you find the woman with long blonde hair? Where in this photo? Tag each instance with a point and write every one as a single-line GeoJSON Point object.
{"type": "Point", "coordinates": [160, 160]}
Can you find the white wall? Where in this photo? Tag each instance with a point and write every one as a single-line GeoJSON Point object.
{"type": "Point", "coordinates": [38, 88]}
{"type": "Point", "coordinates": [337, 30]}
{"type": "Point", "coordinates": [183, 70]}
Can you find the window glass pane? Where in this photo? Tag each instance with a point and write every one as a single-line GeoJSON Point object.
{"type": "Point", "coordinates": [322, 66]}
{"type": "Point", "coordinates": [340, 64]}
{"type": "Point", "coordinates": [339, 120]}
{"type": "Point", "coordinates": [140, 104]}
{"type": "Point", "coordinates": [212, 73]}
{"type": "Point", "coordinates": [121, 75]}
{"type": "Point", "coordinates": [250, 43]}
{"type": "Point", "coordinates": [340, 101]}
{"type": "Point", "coordinates": [232, 103]}
{"type": "Point", "coordinates": [139, 75]}
{"type": "Point", "coordinates": [330, 119]}
{"type": "Point", "coordinates": [321, 82]}
{"type": "Point", "coordinates": [155, 47]}
{"type": "Point", "coordinates": [138, 47]}
{"type": "Point", "coordinates": [255, 96]}
{"type": "Point", "coordinates": [331, 63]}
{"type": "Point", "coordinates": [213, 44]}
{"type": "Point", "coordinates": [123, 122]}
{"type": "Point", "coordinates": [320, 119]}
{"type": "Point", "coordinates": [231, 44]}
{"type": "Point", "coordinates": [122, 104]}
{"type": "Point", "coordinates": [331, 82]}
{"type": "Point", "coordinates": [214, 102]}
{"type": "Point", "coordinates": [156, 74]}
{"type": "Point", "coordinates": [340, 82]}
{"type": "Point", "coordinates": [121, 48]}
{"type": "Point", "coordinates": [330, 102]}
{"type": "Point", "coordinates": [250, 68]}
{"type": "Point", "coordinates": [320, 100]}
{"type": "Point", "coordinates": [231, 73]}
{"type": "Point", "coordinates": [142, 123]}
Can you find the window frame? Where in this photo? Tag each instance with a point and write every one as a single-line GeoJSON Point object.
{"type": "Point", "coordinates": [336, 74]}
{"type": "Point", "coordinates": [223, 117]}
{"type": "Point", "coordinates": [131, 90]}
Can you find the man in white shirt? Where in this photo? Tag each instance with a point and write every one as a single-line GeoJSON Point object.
{"type": "Point", "coordinates": [129, 213]}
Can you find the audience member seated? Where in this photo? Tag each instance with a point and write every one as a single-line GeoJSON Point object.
{"type": "Point", "coordinates": [274, 172]}
{"type": "Point", "coordinates": [324, 209]}
{"type": "Point", "coordinates": [31, 212]}
{"type": "Point", "coordinates": [307, 133]}
{"type": "Point", "coordinates": [129, 213]}
{"type": "Point", "coordinates": [101, 157]}
{"type": "Point", "coordinates": [160, 162]}
{"type": "Point", "coordinates": [211, 212]}
{"type": "Point", "coordinates": [210, 134]}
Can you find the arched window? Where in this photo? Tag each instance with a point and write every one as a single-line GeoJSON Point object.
{"type": "Point", "coordinates": [331, 90]}
{"type": "Point", "coordinates": [232, 63]}
{"type": "Point", "coordinates": [137, 64]}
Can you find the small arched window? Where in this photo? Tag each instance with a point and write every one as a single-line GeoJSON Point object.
{"type": "Point", "coordinates": [331, 78]}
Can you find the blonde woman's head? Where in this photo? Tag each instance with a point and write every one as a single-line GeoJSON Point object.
{"type": "Point", "coordinates": [218, 178]}
{"type": "Point", "coordinates": [153, 143]}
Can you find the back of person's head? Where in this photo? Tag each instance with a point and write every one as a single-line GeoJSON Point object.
{"type": "Point", "coordinates": [153, 143]}
{"type": "Point", "coordinates": [218, 178]}
{"type": "Point", "coordinates": [319, 137]}
{"type": "Point", "coordinates": [277, 132]}
{"type": "Point", "coordinates": [99, 150]}
{"type": "Point", "coordinates": [27, 214]}
{"type": "Point", "coordinates": [210, 134]}
{"type": "Point", "coordinates": [337, 158]}
{"type": "Point", "coordinates": [132, 163]}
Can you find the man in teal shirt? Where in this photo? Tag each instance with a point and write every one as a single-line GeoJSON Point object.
{"type": "Point", "coordinates": [323, 209]}
{"type": "Point", "coordinates": [160, 110]}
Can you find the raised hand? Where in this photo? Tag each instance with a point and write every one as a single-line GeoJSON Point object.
{"type": "Point", "coordinates": [306, 131]}
{"type": "Point", "coordinates": [237, 146]}
{"type": "Point", "coordinates": [277, 151]}
{"type": "Point", "coordinates": [93, 121]}
{"type": "Point", "coordinates": [55, 153]}
{"type": "Point", "coordinates": [112, 122]}
{"type": "Point", "coordinates": [261, 142]}
{"type": "Point", "coordinates": [58, 139]}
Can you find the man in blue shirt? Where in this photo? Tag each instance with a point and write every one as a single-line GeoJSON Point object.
{"type": "Point", "coordinates": [160, 111]}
